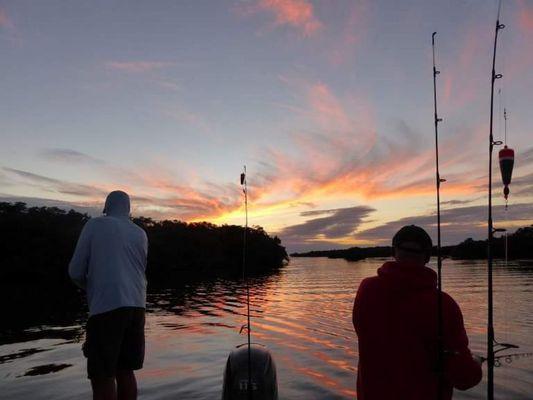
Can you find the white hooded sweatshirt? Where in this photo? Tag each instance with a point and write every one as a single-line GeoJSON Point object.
{"type": "Point", "coordinates": [110, 258]}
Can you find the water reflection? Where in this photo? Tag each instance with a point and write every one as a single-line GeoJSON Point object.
{"type": "Point", "coordinates": [303, 314]}
{"type": "Point", "coordinates": [46, 369]}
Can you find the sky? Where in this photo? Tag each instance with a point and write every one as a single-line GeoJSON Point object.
{"type": "Point", "coordinates": [328, 103]}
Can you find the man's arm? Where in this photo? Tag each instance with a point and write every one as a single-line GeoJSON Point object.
{"type": "Point", "coordinates": [460, 366]}
{"type": "Point", "coordinates": [145, 249]}
{"type": "Point", "coordinates": [356, 313]}
{"type": "Point", "coordinates": [79, 263]}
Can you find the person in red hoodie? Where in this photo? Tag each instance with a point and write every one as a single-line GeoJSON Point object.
{"type": "Point", "coordinates": [395, 317]}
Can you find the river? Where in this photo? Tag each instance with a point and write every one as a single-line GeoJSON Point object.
{"type": "Point", "coordinates": [302, 314]}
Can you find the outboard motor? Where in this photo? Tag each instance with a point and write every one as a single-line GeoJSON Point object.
{"type": "Point", "coordinates": [264, 385]}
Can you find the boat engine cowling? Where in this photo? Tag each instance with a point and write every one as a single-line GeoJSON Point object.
{"type": "Point", "coordinates": [264, 384]}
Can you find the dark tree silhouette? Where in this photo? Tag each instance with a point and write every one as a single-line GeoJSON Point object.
{"type": "Point", "coordinates": [36, 245]}
{"type": "Point", "coordinates": [519, 246]}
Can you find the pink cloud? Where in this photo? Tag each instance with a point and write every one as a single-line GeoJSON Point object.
{"type": "Point", "coordinates": [5, 22]}
{"type": "Point", "coordinates": [326, 108]}
{"type": "Point", "coordinates": [183, 115]}
{"type": "Point", "coordinates": [525, 18]}
{"type": "Point", "coordinates": [296, 13]}
{"type": "Point", "coordinates": [461, 83]}
{"type": "Point", "coordinates": [344, 47]}
{"type": "Point", "coordinates": [520, 53]}
{"type": "Point", "coordinates": [341, 157]}
{"type": "Point", "coordinates": [137, 66]}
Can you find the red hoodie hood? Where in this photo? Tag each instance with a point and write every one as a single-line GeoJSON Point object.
{"type": "Point", "coordinates": [408, 276]}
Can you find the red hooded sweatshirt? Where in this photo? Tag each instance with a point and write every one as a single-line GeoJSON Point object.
{"type": "Point", "coordinates": [395, 318]}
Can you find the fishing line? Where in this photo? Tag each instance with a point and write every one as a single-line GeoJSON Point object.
{"type": "Point", "coordinates": [505, 123]}
{"type": "Point", "coordinates": [500, 112]}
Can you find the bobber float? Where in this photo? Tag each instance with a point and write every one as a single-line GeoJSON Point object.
{"type": "Point", "coordinates": [506, 157]}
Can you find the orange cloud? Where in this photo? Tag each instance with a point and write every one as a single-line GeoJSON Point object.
{"type": "Point", "coordinates": [136, 66]}
{"type": "Point", "coordinates": [295, 13]}
{"type": "Point", "coordinates": [338, 157]}
{"type": "Point", "coordinates": [160, 196]}
{"type": "Point", "coordinates": [326, 107]}
{"type": "Point", "coordinates": [341, 158]}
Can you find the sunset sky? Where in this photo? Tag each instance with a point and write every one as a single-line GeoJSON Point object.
{"type": "Point", "coordinates": [329, 104]}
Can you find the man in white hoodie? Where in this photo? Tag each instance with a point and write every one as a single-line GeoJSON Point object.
{"type": "Point", "coordinates": [109, 263]}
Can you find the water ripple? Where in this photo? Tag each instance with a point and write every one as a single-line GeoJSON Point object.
{"type": "Point", "coordinates": [303, 314]}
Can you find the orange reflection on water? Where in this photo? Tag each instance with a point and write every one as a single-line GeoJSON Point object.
{"type": "Point", "coordinates": [320, 378]}
{"type": "Point", "coordinates": [158, 373]}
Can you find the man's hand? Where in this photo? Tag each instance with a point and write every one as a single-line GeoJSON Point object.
{"type": "Point", "coordinates": [478, 359]}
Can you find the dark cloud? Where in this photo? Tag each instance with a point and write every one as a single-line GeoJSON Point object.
{"type": "Point", "coordinates": [146, 206]}
{"type": "Point", "coordinates": [520, 186]}
{"type": "Point", "coordinates": [183, 202]}
{"type": "Point", "coordinates": [458, 224]}
{"type": "Point", "coordinates": [457, 202]}
{"type": "Point", "coordinates": [55, 185]}
{"type": "Point", "coordinates": [158, 208]}
{"type": "Point", "coordinates": [324, 212]}
{"type": "Point", "coordinates": [522, 180]}
{"type": "Point", "coordinates": [338, 223]}
{"type": "Point", "coordinates": [525, 158]}
{"type": "Point", "coordinates": [69, 156]}
{"type": "Point", "coordinates": [523, 191]}
{"type": "Point", "coordinates": [302, 203]}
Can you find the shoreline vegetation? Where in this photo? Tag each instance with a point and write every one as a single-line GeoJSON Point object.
{"type": "Point", "coordinates": [36, 244]}
{"type": "Point", "coordinates": [519, 247]}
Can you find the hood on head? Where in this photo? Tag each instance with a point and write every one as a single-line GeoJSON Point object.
{"type": "Point", "coordinates": [407, 276]}
{"type": "Point", "coordinates": [117, 204]}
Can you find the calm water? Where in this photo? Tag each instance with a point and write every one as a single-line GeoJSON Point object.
{"type": "Point", "coordinates": [303, 314]}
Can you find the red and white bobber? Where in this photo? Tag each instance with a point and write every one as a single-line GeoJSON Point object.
{"type": "Point", "coordinates": [506, 156]}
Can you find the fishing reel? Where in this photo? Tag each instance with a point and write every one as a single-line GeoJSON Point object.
{"type": "Point", "coordinates": [507, 358]}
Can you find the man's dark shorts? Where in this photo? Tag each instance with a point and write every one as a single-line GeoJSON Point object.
{"type": "Point", "coordinates": [115, 341]}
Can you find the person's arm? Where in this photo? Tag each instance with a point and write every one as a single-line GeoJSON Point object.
{"type": "Point", "coordinates": [356, 313]}
{"type": "Point", "coordinates": [461, 368]}
{"type": "Point", "coordinates": [79, 263]}
{"type": "Point", "coordinates": [145, 249]}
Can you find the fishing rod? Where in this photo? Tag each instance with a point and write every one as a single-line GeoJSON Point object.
{"type": "Point", "coordinates": [438, 181]}
{"type": "Point", "coordinates": [491, 343]}
{"type": "Point", "coordinates": [244, 185]}
{"type": "Point", "coordinates": [241, 378]}
{"type": "Point", "coordinates": [506, 161]}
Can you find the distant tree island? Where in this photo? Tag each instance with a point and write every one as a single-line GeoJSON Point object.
{"type": "Point", "coordinates": [36, 244]}
{"type": "Point", "coordinates": [519, 247]}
